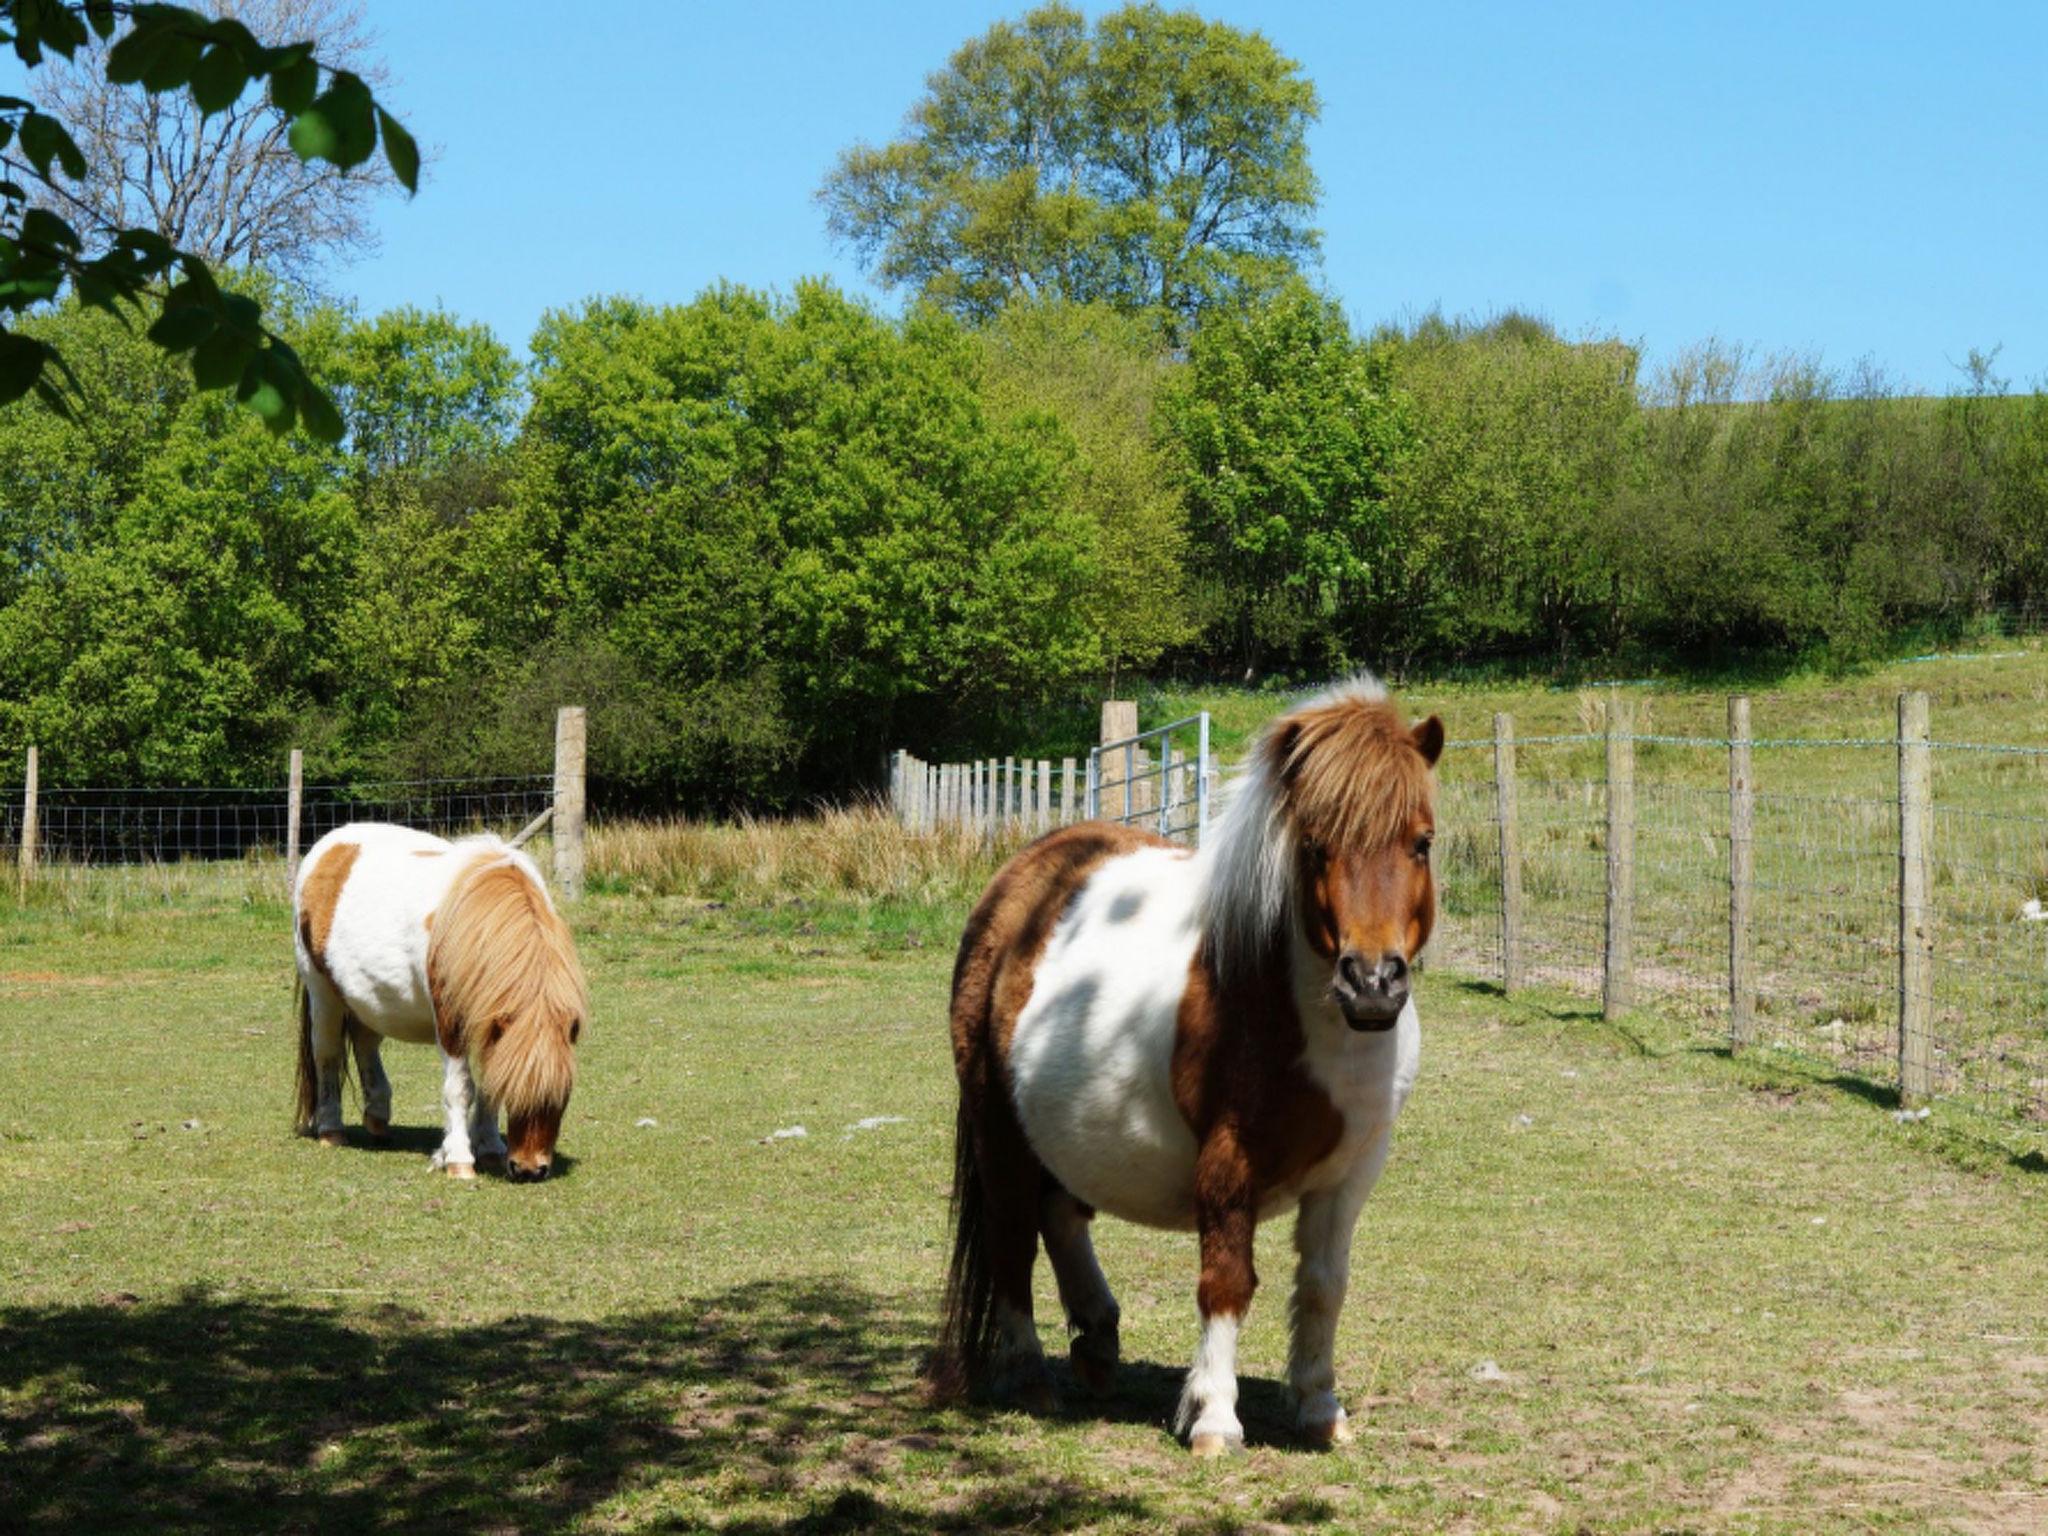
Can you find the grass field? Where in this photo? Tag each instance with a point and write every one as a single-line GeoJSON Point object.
{"type": "Point", "coordinates": [1613, 1281]}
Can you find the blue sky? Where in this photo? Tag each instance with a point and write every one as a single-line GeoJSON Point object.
{"type": "Point", "coordinates": [1853, 180]}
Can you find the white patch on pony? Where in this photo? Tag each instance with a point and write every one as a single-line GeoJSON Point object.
{"type": "Point", "coordinates": [1091, 1062]}
{"type": "Point", "coordinates": [1208, 1402]}
{"type": "Point", "coordinates": [375, 964]}
{"type": "Point", "coordinates": [1249, 882]}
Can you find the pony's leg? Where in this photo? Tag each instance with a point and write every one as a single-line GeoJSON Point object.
{"type": "Point", "coordinates": [458, 1095]}
{"type": "Point", "coordinates": [1322, 1238]}
{"type": "Point", "coordinates": [1226, 1215]}
{"type": "Point", "coordinates": [483, 1131]}
{"type": "Point", "coordinates": [1084, 1294]}
{"type": "Point", "coordinates": [369, 1049]}
{"type": "Point", "coordinates": [329, 1027]}
{"type": "Point", "coordinates": [1013, 1185]}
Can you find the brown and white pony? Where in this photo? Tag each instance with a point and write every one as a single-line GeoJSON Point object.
{"type": "Point", "coordinates": [1193, 1041]}
{"type": "Point", "coordinates": [402, 935]}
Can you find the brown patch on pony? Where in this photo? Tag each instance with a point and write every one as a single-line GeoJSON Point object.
{"type": "Point", "coordinates": [318, 897]}
{"type": "Point", "coordinates": [1351, 774]}
{"type": "Point", "coordinates": [504, 977]}
{"type": "Point", "coordinates": [1259, 1120]}
{"type": "Point", "coordinates": [998, 1182]}
{"type": "Point", "coordinates": [429, 853]}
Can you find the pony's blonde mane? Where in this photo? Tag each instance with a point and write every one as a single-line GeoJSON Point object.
{"type": "Point", "coordinates": [1341, 769]}
{"type": "Point", "coordinates": [505, 978]}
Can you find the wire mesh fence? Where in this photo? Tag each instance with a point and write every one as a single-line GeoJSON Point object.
{"type": "Point", "coordinates": [1825, 912]}
{"type": "Point", "coordinates": [170, 844]}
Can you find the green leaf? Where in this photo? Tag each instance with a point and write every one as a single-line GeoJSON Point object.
{"type": "Point", "coordinates": [339, 127]}
{"type": "Point", "coordinates": [318, 414]}
{"type": "Point", "coordinates": [264, 393]}
{"type": "Point", "coordinates": [43, 139]}
{"type": "Point", "coordinates": [400, 150]}
{"type": "Point", "coordinates": [220, 360]}
{"type": "Point", "coordinates": [219, 81]}
{"type": "Point", "coordinates": [181, 329]}
{"type": "Point", "coordinates": [173, 66]}
{"type": "Point", "coordinates": [292, 87]}
{"type": "Point", "coordinates": [244, 314]}
{"type": "Point", "coordinates": [99, 15]}
{"type": "Point", "coordinates": [21, 364]}
{"type": "Point", "coordinates": [136, 54]}
{"type": "Point", "coordinates": [39, 226]}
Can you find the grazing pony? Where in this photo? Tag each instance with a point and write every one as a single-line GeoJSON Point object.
{"type": "Point", "coordinates": [406, 936]}
{"type": "Point", "coordinates": [1193, 1041]}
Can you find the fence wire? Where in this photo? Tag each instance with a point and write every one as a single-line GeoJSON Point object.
{"type": "Point", "coordinates": [174, 843]}
{"type": "Point", "coordinates": [1826, 898]}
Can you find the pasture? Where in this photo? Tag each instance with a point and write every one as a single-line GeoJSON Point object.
{"type": "Point", "coordinates": [1612, 1281]}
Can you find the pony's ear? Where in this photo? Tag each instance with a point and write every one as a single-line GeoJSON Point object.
{"type": "Point", "coordinates": [1429, 740]}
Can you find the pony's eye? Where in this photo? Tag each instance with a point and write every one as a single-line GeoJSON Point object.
{"type": "Point", "coordinates": [1422, 845]}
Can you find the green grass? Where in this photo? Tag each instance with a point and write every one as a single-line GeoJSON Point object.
{"type": "Point", "coordinates": [1721, 1296]}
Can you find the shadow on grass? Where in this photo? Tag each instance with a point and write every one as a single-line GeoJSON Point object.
{"type": "Point", "coordinates": [775, 1407]}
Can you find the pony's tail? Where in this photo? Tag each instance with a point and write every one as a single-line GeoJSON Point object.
{"type": "Point", "coordinates": [309, 1081]}
{"type": "Point", "coordinates": [967, 1334]}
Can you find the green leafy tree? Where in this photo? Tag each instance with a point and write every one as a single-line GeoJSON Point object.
{"type": "Point", "coordinates": [181, 625]}
{"type": "Point", "coordinates": [1098, 374]}
{"type": "Point", "coordinates": [1156, 161]}
{"type": "Point", "coordinates": [797, 520]}
{"type": "Point", "coordinates": [333, 116]}
{"type": "Point", "coordinates": [1285, 432]}
{"type": "Point", "coordinates": [1501, 509]}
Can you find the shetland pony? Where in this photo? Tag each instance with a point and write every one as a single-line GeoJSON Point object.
{"type": "Point", "coordinates": [1193, 1041]}
{"type": "Point", "coordinates": [405, 936]}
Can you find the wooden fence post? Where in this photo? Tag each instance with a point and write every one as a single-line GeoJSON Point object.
{"type": "Point", "coordinates": [1012, 806]}
{"type": "Point", "coordinates": [1068, 810]}
{"type": "Point", "coordinates": [1505, 801]}
{"type": "Point", "coordinates": [569, 784]}
{"type": "Point", "coordinates": [294, 804]}
{"type": "Point", "coordinates": [27, 861]}
{"type": "Point", "coordinates": [1741, 877]}
{"type": "Point", "coordinates": [1044, 793]}
{"type": "Point", "coordinates": [1119, 723]}
{"type": "Point", "coordinates": [1618, 994]}
{"type": "Point", "coordinates": [1916, 915]}
{"type": "Point", "coordinates": [899, 784]}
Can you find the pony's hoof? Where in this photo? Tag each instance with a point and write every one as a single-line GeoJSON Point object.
{"type": "Point", "coordinates": [376, 1127]}
{"type": "Point", "coordinates": [1094, 1364]}
{"type": "Point", "coordinates": [1209, 1444]}
{"type": "Point", "coordinates": [493, 1161]}
{"type": "Point", "coordinates": [334, 1138]}
{"type": "Point", "coordinates": [1037, 1397]}
{"type": "Point", "coordinates": [460, 1170]}
{"type": "Point", "coordinates": [1328, 1434]}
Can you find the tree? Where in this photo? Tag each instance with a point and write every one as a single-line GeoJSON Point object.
{"type": "Point", "coordinates": [1286, 433]}
{"type": "Point", "coordinates": [1157, 162]}
{"type": "Point", "coordinates": [1098, 374]}
{"type": "Point", "coordinates": [166, 49]}
{"type": "Point", "coordinates": [801, 525]}
{"type": "Point", "coordinates": [177, 626]}
{"type": "Point", "coordinates": [225, 185]}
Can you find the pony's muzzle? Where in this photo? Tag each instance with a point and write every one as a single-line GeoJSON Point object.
{"type": "Point", "coordinates": [525, 1173]}
{"type": "Point", "coordinates": [1371, 994]}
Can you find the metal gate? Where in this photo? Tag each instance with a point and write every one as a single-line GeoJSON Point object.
{"type": "Point", "coordinates": [1162, 779]}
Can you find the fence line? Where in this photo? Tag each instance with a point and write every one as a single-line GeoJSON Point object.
{"type": "Point", "coordinates": [99, 839]}
{"type": "Point", "coordinates": [1876, 904]}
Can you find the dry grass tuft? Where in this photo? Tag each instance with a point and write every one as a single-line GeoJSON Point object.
{"type": "Point", "coordinates": [860, 852]}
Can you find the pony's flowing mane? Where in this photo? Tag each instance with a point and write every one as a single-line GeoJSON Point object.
{"type": "Point", "coordinates": [499, 958]}
{"type": "Point", "coordinates": [1341, 769]}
